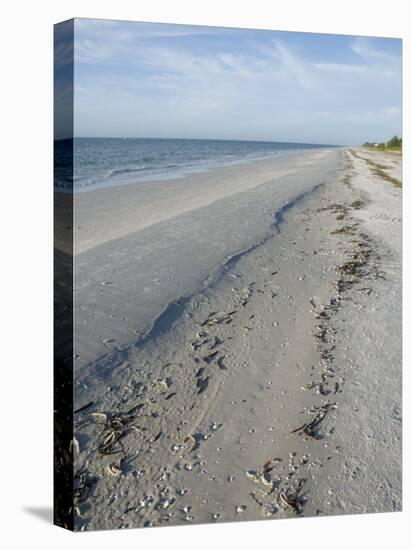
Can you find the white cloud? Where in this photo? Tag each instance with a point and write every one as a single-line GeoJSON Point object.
{"type": "Point", "coordinates": [140, 86]}
{"type": "Point", "coordinates": [301, 71]}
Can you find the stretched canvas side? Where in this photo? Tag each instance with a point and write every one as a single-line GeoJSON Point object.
{"type": "Point", "coordinates": [63, 275]}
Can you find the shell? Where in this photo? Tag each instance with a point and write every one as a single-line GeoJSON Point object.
{"type": "Point", "coordinates": [189, 443]}
{"type": "Point", "coordinates": [74, 446]}
{"type": "Point", "coordinates": [165, 503]}
{"type": "Point", "coordinates": [99, 418]}
{"type": "Point", "coordinates": [113, 470]}
{"type": "Point", "coordinates": [270, 464]}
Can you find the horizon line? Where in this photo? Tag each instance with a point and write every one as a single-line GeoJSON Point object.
{"type": "Point", "coordinates": [207, 139]}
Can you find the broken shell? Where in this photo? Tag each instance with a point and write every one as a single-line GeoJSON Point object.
{"type": "Point", "coordinates": [270, 464]}
{"type": "Point", "coordinates": [165, 503]}
{"type": "Point", "coordinates": [100, 418]}
{"type": "Point", "coordinates": [146, 501]}
{"type": "Point", "coordinates": [241, 508]}
{"type": "Point", "coordinates": [165, 382]}
{"type": "Point", "coordinates": [286, 501]}
{"type": "Point", "coordinates": [266, 480]}
{"type": "Point", "coordinates": [113, 470]}
{"type": "Point", "coordinates": [74, 446]}
{"type": "Point", "coordinates": [109, 439]}
{"type": "Point", "coordinates": [189, 443]}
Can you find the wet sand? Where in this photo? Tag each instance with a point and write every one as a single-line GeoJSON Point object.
{"type": "Point", "coordinates": [270, 385]}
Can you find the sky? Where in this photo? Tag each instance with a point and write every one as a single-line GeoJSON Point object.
{"type": "Point", "coordinates": [160, 80]}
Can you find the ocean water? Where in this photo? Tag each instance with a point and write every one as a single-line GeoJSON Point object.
{"type": "Point", "coordinates": [106, 162]}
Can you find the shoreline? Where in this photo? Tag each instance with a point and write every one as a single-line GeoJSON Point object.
{"type": "Point", "coordinates": [184, 170]}
{"type": "Point", "coordinates": [242, 409]}
{"type": "Point", "coordinates": [182, 174]}
{"type": "Point", "coordinates": [207, 184]}
{"type": "Point", "coordinates": [167, 251]}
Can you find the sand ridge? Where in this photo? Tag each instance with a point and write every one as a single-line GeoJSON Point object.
{"type": "Point", "coordinates": [123, 285]}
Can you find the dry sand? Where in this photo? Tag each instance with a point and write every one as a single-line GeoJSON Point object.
{"type": "Point", "coordinates": [270, 385]}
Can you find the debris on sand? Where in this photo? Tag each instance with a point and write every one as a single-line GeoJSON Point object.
{"type": "Point", "coordinates": [189, 444]}
{"type": "Point", "coordinates": [221, 364]}
{"type": "Point", "coordinates": [291, 497]}
{"type": "Point", "coordinates": [83, 483]}
{"type": "Point", "coordinates": [345, 230]}
{"type": "Point", "coordinates": [217, 318]}
{"type": "Point", "coordinates": [113, 430]}
{"type": "Point", "coordinates": [202, 384]}
{"type": "Point", "coordinates": [165, 503]}
{"type": "Point", "coordinates": [113, 470]}
{"type": "Point", "coordinates": [311, 429]}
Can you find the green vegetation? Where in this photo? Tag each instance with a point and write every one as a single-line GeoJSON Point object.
{"type": "Point", "coordinates": [378, 170]}
{"type": "Point", "coordinates": [393, 145]}
{"type": "Point", "coordinates": [394, 142]}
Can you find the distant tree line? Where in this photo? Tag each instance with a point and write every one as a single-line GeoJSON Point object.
{"type": "Point", "coordinates": [394, 143]}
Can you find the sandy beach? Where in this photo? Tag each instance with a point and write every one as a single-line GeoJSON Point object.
{"type": "Point", "coordinates": [238, 343]}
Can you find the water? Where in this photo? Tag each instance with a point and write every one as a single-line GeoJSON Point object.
{"type": "Point", "coordinates": [106, 162]}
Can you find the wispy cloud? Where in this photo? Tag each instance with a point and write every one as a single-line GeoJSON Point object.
{"type": "Point", "coordinates": [169, 80]}
{"type": "Point", "coordinates": [302, 72]}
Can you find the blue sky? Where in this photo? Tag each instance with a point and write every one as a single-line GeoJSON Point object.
{"type": "Point", "coordinates": [157, 80]}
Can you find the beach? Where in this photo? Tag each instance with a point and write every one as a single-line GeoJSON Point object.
{"type": "Point", "coordinates": [238, 343]}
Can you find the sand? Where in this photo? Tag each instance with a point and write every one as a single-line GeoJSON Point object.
{"type": "Point", "coordinates": [123, 284]}
{"type": "Point", "coordinates": [238, 348]}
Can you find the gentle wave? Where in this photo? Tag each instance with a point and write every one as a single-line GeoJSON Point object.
{"type": "Point", "coordinates": [106, 162]}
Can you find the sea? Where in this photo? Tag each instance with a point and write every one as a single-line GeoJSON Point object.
{"type": "Point", "coordinates": [107, 162]}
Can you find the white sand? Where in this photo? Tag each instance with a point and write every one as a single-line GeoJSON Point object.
{"type": "Point", "coordinates": [176, 237]}
{"type": "Point", "coordinates": [112, 213]}
{"type": "Point", "coordinates": [249, 355]}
